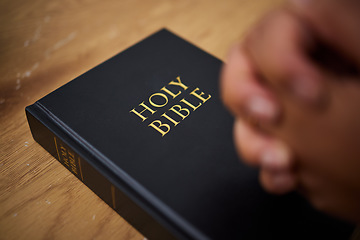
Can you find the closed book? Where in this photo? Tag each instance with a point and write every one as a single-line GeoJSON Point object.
{"type": "Point", "coordinates": [147, 132]}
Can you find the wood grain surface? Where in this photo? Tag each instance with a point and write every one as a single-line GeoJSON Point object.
{"type": "Point", "coordinates": [43, 45]}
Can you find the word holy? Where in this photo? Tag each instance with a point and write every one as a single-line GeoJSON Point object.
{"type": "Point", "coordinates": [175, 114]}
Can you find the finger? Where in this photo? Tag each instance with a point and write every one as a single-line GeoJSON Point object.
{"type": "Point", "coordinates": [261, 150]}
{"type": "Point", "coordinates": [278, 49]}
{"type": "Point", "coordinates": [241, 91]}
{"type": "Point", "coordinates": [335, 21]}
{"type": "Point", "coordinates": [278, 182]}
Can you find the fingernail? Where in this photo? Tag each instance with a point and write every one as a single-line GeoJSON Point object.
{"type": "Point", "coordinates": [262, 109]}
{"type": "Point", "coordinates": [306, 90]}
{"type": "Point", "coordinates": [275, 158]}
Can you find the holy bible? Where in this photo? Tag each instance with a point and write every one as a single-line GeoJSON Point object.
{"type": "Point", "coordinates": [147, 132]}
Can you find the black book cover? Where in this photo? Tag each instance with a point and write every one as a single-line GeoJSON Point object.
{"type": "Point", "coordinates": [147, 132]}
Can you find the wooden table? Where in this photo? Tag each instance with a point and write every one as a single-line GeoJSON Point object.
{"type": "Point", "coordinates": [44, 44]}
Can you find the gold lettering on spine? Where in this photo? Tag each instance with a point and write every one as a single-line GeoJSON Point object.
{"type": "Point", "coordinates": [158, 105]}
{"type": "Point", "coordinates": [160, 126]}
{"type": "Point", "coordinates": [145, 108]}
{"type": "Point", "coordinates": [199, 96]}
{"type": "Point", "coordinates": [64, 156]}
{"type": "Point", "coordinates": [57, 150]}
{"type": "Point", "coordinates": [68, 158]}
{"type": "Point", "coordinates": [170, 92]}
{"type": "Point", "coordinates": [72, 162]}
{"type": "Point", "coordinates": [179, 110]}
{"type": "Point", "coordinates": [178, 83]}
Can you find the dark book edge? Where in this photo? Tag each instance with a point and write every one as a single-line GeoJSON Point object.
{"type": "Point", "coordinates": [130, 202]}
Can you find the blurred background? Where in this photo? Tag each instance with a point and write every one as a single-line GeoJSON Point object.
{"type": "Point", "coordinates": [45, 44]}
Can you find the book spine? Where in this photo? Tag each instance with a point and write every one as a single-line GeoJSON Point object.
{"type": "Point", "coordinates": [64, 149]}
